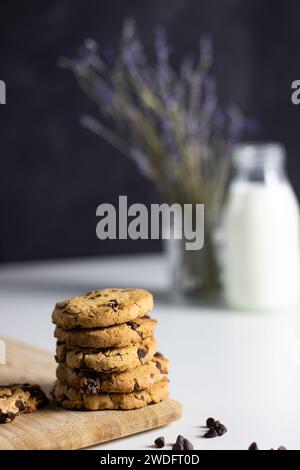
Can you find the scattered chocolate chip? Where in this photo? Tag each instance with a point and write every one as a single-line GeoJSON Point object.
{"type": "Point", "coordinates": [253, 446]}
{"type": "Point", "coordinates": [20, 405]}
{"type": "Point", "coordinates": [177, 446]}
{"type": "Point", "coordinates": [187, 445]}
{"type": "Point", "coordinates": [210, 422]}
{"type": "Point", "coordinates": [220, 428]}
{"type": "Point", "coordinates": [132, 325]}
{"type": "Point", "coordinates": [160, 442]}
{"type": "Point", "coordinates": [142, 352]}
{"type": "Point", "coordinates": [179, 439]}
{"type": "Point", "coordinates": [159, 366]}
{"type": "Point", "coordinates": [210, 433]}
{"type": "Point", "coordinates": [216, 428]}
{"type": "Point", "coordinates": [282, 448]}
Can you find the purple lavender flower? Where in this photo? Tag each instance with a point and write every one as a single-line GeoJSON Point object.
{"type": "Point", "coordinates": [169, 123]}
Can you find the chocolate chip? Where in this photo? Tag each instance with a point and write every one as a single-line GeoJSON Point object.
{"type": "Point", "coordinates": [160, 442]}
{"type": "Point", "coordinates": [177, 446]}
{"type": "Point", "coordinates": [37, 393]}
{"type": "Point", "coordinates": [180, 439]}
{"type": "Point", "coordinates": [6, 417]}
{"type": "Point", "coordinates": [187, 445]}
{"type": "Point", "coordinates": [20, 405]}
{"type": "Point", "coordinates": [114, 304]}
{"type": "Point", "coordinates": [253, 446]}
{"type": "Point", "coordinates": [282, 448]}
{"type": "Point", "coordinates": [26, 387]}
{"type": "Point", "coordinates": [90, 386]}
{"type": "Point", "coordinates": [159, 355]}
{"type": "Point", "coordinates": [159, 366]}
{"type": "Point", "coordinates": [215, 428]}
{"type": "Point", "coordinates": [210, 422]}
{"type": "Point", "coordinates": [220, 428]}
{"type": "Point", "coordinates": [142, 352]}
{"type": "Point", "coordinates": [210, 433]}
{"type": "Point", "coordinates": [133, 325]}
{"type": "Point", "coordinates": [136, 387]}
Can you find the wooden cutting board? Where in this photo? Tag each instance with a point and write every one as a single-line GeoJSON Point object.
{"type": "Point", "coordinates": [56, 428]}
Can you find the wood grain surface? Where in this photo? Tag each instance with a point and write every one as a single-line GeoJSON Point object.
{"type": "Point", "coordinates": [56, 428]}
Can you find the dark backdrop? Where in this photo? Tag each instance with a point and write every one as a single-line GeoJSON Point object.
{"type": "Point", "coordinates": [54, 173]}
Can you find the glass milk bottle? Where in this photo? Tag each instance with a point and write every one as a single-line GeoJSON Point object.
{"type": "Point", "coordinates": [261, 231]}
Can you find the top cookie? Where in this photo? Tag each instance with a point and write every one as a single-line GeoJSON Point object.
{"type": "Point", "coordinates": [102, 308]}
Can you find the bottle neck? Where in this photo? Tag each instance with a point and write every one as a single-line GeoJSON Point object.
{"type": "Point", "coordinates": [266, 175]}
{"type": "Point", "coordinates": [259, 163]}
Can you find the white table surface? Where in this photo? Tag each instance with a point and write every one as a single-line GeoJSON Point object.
{"type": "Point", "coordinates": [242, 368]}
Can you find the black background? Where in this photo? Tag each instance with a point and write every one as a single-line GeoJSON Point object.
{"type": "Point", "coordinates": [53, 173]}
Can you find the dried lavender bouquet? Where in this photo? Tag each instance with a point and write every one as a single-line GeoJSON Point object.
{"type": "Point", "coordinates": [168, 121]}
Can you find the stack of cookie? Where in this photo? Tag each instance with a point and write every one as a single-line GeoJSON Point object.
{"type": "Point", "coordinates": [106, 351]}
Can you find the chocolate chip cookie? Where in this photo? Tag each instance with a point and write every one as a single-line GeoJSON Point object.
{"type": "Point", "coordinates": [102, 308]}
{"type": "Point", "coordinates": [108, 360]}
{"type": "Point", "coordinates": [91, 383]}
{"type": "Point", "coordinates": [72, 399]}
{"type": "Point", "coordinates": [119, 336]}
{"type": "Point", "coordinates": [20, 398]}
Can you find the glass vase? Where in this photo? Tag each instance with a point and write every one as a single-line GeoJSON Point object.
{"type": "Point", "coordinates": [193, 272]}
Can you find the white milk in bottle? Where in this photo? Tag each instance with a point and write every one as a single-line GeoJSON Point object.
{"type": "Point", "coordinates": [261, 232]}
